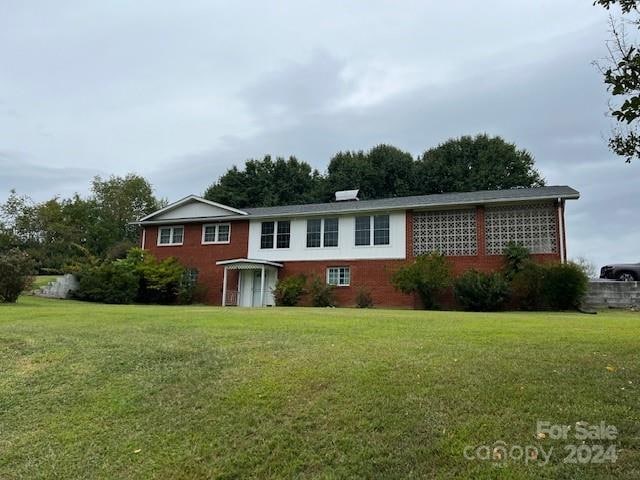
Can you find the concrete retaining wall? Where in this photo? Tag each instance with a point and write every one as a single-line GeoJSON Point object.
{"type": "Point", "coordinates": [612, 294]}
{"type": "Point", "coordinates": [59, 288]}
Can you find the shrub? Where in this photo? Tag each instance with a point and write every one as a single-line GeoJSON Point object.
{"type": "Point", "coordinates": [289, 290]}
{"type": "Point", "coordinates": [161, 281]}
{"type": "Point", "coordinates": [364, 299]}
{"type": "Point", "coordinates": [481, 292]}
{"type": "Point", "coordinates": [527, 285]}
{"type": "Point", "coordinates": [427, 276]}
{"type": "Point", "coordinates": [557, 286]}
{"type": "Point", "coordinates": [321, 293]}
{"type": "Point", "coordinates": [565, 285]}
{"type": "Point", "coordinates": [516, 257]}
{"type": "Point", "coordinates": [111, 282]}
{"type": "Point", "coordinates": [16, 274]}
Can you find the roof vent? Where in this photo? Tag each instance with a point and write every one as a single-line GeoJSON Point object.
{"type": "Point", "coordinates": [347, 195]}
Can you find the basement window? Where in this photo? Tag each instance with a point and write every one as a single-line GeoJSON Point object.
{"type": "Point", "coordinates": [339, 276]}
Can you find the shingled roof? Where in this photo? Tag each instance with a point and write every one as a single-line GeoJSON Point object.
{"type": "Point", "coordinates": [421, 201]}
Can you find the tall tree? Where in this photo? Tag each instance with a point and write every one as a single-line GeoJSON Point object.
{"type": "Point", "coordinates": [475, 163]}
{"type": "Point", "coordinates": [266, 182]}
{"type": "Point", "coordinates": [621, 71]}
{"type": "Point", "coordinates": [120, 200]}
{"type": "Point", "coordinates": [383, 171]}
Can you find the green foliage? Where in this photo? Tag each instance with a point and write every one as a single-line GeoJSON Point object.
{"type": "Point", "coordinates": [364, 298]}
{"type": "Point", "coordinates": [621, 72]}
{"type": "Point", "coordinates": [160, 280]}
{"type": "Point", "coordinates": [384, 171]}
{"type": "Point", "coordinates": [111, 282]}
{"type": "Point", "coordinates": [266, 182]}
{"type": "Point", "coordinates": [481, 292]}
{"type": "Point", "coordinates": [556, 286]}
{"type": "Point", "coordinates": [527, 286]}
{"type": "Point", "coordinates": [515, 258]}
{"type": "Point", "coordinates": [289, 290]}
{"type": "Point", "coordinates": [427, 276]}
{"type": "Point", "coordinates": [16, 274]}
{"type": "Point", "coordinates": [139, 277]}
{"type": "Point", "coordinates": [476, 163]}
{"type": "Point", "coordinates": [565, 286]}
{"type": "Point", "coordinates": [52, 231]}
{"type": "Point", "coordinates": [322, 294]}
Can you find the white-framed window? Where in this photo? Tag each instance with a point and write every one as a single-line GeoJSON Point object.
{"type": "Point", "coordinates": [339, 276]}
{"type": "Point", "coordinates": [170, 235]}
{"type": "Point", "coordinates": [216, 233]}
{"type": "Point", "coordinates": [275, 233]}
{"type": "Point", "coordinates": [372, 230]}
{"type": "Point", "coordinates": [322, 232]}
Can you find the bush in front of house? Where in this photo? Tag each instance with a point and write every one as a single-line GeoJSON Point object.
{"type": "Point", "coordinates": [140, 277]}
{"type": "Point", "coordinates": [428, 276]}
{"type": "Point", "coordinates": [16, 274]}
{"type": "Point", "coordinates": [516, 257]}
{"type": "Point", "coordinates": [322, 294]}
{"type": "Point", "coordinates": [289, 290]}
{"type": "Point", "coordinates": [481, 292]}
{"type": "Point", "coordinates": [364, 298]}
{"type": "Point", "coordinates": [110, 282]}
{"type": "Point", "coordinates": [555, 286]}
{"type": "Point", "coordinates": [565, 285]}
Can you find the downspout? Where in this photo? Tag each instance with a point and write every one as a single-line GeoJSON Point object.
{"type": "Point", "coordinates": [561, 231]}
{"type": "Point", "coordinates": [144, 237]}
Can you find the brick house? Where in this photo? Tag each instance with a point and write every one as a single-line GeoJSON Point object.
{"type": "Point", "coordinates": [238, 255]}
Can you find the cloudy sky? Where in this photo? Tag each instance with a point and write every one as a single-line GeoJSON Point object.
{"type": "Point", "coordinates": [180, 91]}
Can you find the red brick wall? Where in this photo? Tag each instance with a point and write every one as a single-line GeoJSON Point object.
{"type": "Point", "coordinates": [372, 275]}
{"type": "Point", "coordinates": [204, 257]}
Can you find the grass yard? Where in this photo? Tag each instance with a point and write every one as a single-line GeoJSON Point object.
{"type": "Point", "coordinates": [96, 391]}
{"type": "Point", "coordinates": [40, 281]}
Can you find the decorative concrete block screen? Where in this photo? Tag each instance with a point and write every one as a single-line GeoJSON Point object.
{"type": "Point", "coordinates": [531, 225]}
{"type": "Point", "coordinates": [451, 232]}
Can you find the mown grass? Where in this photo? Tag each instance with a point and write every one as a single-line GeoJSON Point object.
{"type": "Point", "coordinates": [96, 391]}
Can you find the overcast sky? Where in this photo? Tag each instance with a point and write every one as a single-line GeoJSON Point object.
{"type": "Point", "coordinates": [180, 91]}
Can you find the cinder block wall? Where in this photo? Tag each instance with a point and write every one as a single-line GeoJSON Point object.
{"type": "Point", "coordinates": [612, 294]}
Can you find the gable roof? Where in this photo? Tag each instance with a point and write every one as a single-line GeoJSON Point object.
{"type": "Point", "coordinates": [437, 200]}
{"type": "Point", "coordinates": [192, 199]}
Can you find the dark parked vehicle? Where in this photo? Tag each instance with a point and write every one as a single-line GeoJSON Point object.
{"type": "Point", "coordinates": [625, 272]}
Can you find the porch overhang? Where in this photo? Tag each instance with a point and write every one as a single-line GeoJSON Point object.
{"type": "Point", "coordinates": [247, 264]}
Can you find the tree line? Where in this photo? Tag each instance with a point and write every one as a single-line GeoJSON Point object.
{"type": "Point", "coordinates": [457, 165]}
{"type": "Point", "coordinates": [61, 231]}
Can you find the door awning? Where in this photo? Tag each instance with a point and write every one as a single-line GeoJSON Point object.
{"type": "Point", "coordinates": [247, 264]}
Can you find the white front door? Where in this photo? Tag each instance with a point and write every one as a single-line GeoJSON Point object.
{"type": "Point", "coordinates": [257, 292]}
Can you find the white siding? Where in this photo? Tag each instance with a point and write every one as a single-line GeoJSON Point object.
{"type": "Point", "coordinates": [346, 249]}
{"type": "Point", "coordinates": [194, 209]}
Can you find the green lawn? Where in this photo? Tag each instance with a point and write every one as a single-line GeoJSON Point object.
{"type": "Point", "coordinates": [95, 391]}
{"type": "Point", "coordinates": [40, 281]}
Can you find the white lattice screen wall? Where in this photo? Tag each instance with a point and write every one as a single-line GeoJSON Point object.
{"type": "Point", "coordinates": [451, 232]}
{"type": "Point", "coordinates": [531, 225]}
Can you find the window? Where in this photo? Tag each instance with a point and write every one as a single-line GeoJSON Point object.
{"type": "Point", "coordinates": [314, 228]}
{"type": "Point", "coordinates": [266, 237]}
{"type": "Point", "coordinates": [190, 276]}
{"type": "Point", "coordinates": [281, 230]}
{"type": "Point", "coordinates": [330, 232]}
{"type": "Point", "coordinates": [450, 232]}
{"type": "Point", "coordinates": [363, 230]}
{"type": "Point", "coordinates": [284, 234]}
{"type": "Point", "coordinates": [339, 276]}
{"type": "Point", "coordinates": [376, 227]}
{"type": "Point", "coordinates": [216, 233]}
{"type": "Point", "coordinates": [322, 233]}
{"type": "Point", "coordinates": [170, 235]}
{"type": "Point", "coordinates": [381, 230]}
